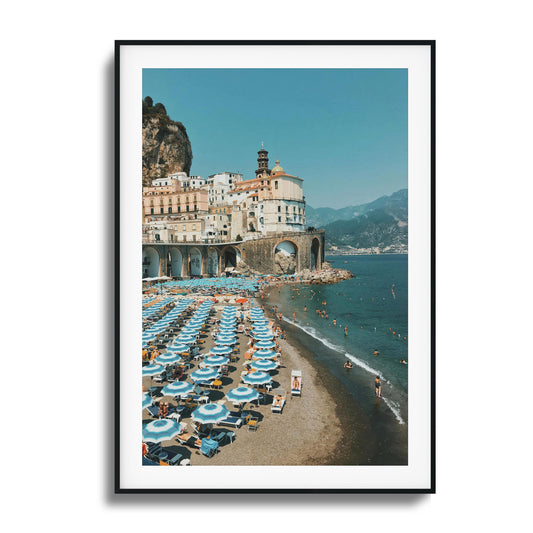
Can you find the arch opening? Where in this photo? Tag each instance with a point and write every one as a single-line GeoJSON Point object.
{"type": "Point", "coordinates": [285, 258]}
{"type": "Point", "coordinates": [315, 254]}
{"type": "Point", "coordinates": [231, 257]}
{"type": "Point", "coordinates": [151, 262]}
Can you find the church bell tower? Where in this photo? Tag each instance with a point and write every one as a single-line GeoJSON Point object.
{"type": "Point", "coordinates": [262, 163]}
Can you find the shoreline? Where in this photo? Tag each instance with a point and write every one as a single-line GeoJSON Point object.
{"type": "Point", "coordinates": [369, 426]}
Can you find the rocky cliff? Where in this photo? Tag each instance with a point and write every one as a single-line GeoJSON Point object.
{"type": "Point", "coordinates": [165, 145]}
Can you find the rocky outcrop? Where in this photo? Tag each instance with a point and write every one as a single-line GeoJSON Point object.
{"type": "Point", "coordinates": [326, 275]}
{"type": "Point", "coordinates": [165, 144]}
{"type": "Point", "coordinates": [284, 264]}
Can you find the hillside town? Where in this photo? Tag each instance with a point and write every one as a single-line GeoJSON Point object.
{"type": "Point", "coordinates": [223, 207]}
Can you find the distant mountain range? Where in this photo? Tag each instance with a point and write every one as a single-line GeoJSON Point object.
{"type": "Point", "coordinates": [380, 226]}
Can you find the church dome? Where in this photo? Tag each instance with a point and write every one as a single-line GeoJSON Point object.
{"type": "Point", "coordinates": [277, 169]}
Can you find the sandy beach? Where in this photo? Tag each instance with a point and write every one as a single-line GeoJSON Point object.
{"type": "Point", "coordinates": [307, 432]}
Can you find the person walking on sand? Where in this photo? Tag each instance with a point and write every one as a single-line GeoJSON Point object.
{"type": "Point", "coordinates": [377, 383]}
{"type": "Point", "coordinates": [294, 317]}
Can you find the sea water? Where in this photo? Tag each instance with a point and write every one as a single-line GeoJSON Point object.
{"type": "Point", "coordinates": [374, 307]}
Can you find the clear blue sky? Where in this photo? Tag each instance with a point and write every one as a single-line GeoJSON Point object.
{"type": "Point", "coordinates": [344, 131]}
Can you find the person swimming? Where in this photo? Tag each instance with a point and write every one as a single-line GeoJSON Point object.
{"type": "Point", "coordinates": [348, 366]}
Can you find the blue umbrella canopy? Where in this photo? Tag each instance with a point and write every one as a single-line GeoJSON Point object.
{"type": "Point", "coordinates": [186, 339]}
{"type": "Point", "coordinates": [263, 364]}
{"type": "Point", "coordinates": [261, 329]}
{"type": "Point", "coordinates": [263, 336]}
{"type": "Point", "coordinates": [210, 413]}
{"type": "Point", "coordinates": [152, 370]}
{"type": "Point", "coordinates": [204, 373]}
{"type": "Point", "coordinates": [177, 388]}
{"type": "Point", "coordinates": [188, 330]}
{"type": "Point", "coordinates": [260, 323]}
{"type": "Point", "coordinates": [265, 344]}
{"type": "Point", "coordinates": [257, 378]}
{"type": "Point", "coordinates": [225, 341]}
{"type": "Point", "coordinates": [161, 430]}
{"type": "Point", "coordinates": [220, 350]}
{"type": "Point", "coordinates": [178, 347]}
{"type": "Point", "coordinates": [168, 358]}
{"type": "Point", "coordinates": [242, 394]}
{"type": "Point", "coordinates": [264, 354]}
{"type": "Point", "coordinates": [216, 360]}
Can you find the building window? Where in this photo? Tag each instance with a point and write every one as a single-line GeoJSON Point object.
{"type": "Point", "coordinates": [275, 185]}
{"type": "Point", "coordinates": [279, 208]}
{"type": "Point", "coordinates": [279, 219]}
{"type": "Point", "coordinates": [151, 210]}
{"type": "Point", "coordinates": [187, 209]}
{"type": "Point", "coordinates": [184, 227]}
{"type": "Point", "coordinates": [170, 209]}
{"type": "Point", "coordinates": [161, 210]}
{"type": "Point", "coordinates": [194, 226]}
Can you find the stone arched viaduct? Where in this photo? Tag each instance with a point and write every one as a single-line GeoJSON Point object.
{"type": "Point", "coordinates": [198, 259]}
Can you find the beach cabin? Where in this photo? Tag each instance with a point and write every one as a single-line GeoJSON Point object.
{"type": "Point", "coordinates": [296, 383]}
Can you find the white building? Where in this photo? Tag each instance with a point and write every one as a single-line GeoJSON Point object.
{"type": "Point", "coordinates": [219, 185]}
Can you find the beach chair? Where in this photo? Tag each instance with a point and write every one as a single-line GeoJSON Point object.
{"type": "Point", "coordinates": [277, 404]}
{"type": "Point", "coordinates": [189, 440]}
{"type": "Point", "coordinates": [231, 421]}
{"type": "Point", "coordinates": [296, 383]}
{"type": "Point", "coordinates": [153, 410]}
{"type": "Point", "coordinates": [252, 422]}
{"type": "Point", "coordinates": [209, 447]}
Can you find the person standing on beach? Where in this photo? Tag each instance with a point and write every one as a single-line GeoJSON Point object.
{"type": "Point", "coordinates": [377, 383]}
{"type": "Point", "coordinates": [294, 317]}
{"type": "Point", "coordinates": [345, 331]}
{"type": "Point", "coordinates": [335, 322]}
{"type": "Point", "coordinates": [305, 308]}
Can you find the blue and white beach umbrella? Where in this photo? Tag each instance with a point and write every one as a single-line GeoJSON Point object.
{"type": "Point", "coordinates": [147, 401]}
{"type": "Point", "coordinates": [178, 347]}
{"type": "Point", "coordinates": [242, 394]}
{"type": "Point", "coordinates": [263, 364]}
{"type": "Point", "coordinates": [263, 336]}
{"type": "Point", "coordinates": [264, 354]}
{"type": "Point", "coordinates": [265, 345]}
{"type": "Point", "coordinates": [210, 413]}
{"type": "Point", "coordinates": [188, 330]}
{"type": "Point", "coordinates": [261, 329]}
{"type": "Point", "coordinates": [204, 373]}
{"type": "Point", "coordinates": [260, 323]}
{"type": "Point", "coordinates": [257, 378]}
{"type": "Point", "coordinates": [220, 350]}
{"type": "Point", "coordinates": [177, 388]}
{"type": "Point", "coordinates": [226, 330]}
{"type": "Point", "coordinates": [152, 370]}
{"type": "Point", "coordinates": [186, 339]}
{"type": "Point", "coordinates": [216, 360]}
{"type": "Point", "coordinates": [161, 430]}
{"type": "Point", "coordinates": [168, 358]}
{"type": "Point", "coordinates": [225, 341]}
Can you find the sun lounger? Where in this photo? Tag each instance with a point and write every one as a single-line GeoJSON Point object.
{"type": "Point", "coordinates": [277, 404]}
{"type": "Point", "coordinates": [232, 421]}
{"type": "Point", "coordinates": [189, 440]}
{"type": "Point", "coordinates": [153, 410]}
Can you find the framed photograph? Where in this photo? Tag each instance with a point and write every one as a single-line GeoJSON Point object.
{"type": "Point", "coordinates": [275, 284]}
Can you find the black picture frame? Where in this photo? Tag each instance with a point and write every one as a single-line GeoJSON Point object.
{"type": "Point", "coordinates": [119, 47]}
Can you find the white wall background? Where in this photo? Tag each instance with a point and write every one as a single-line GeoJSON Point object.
{"type": "Point", "coordinates": [57, 136]}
